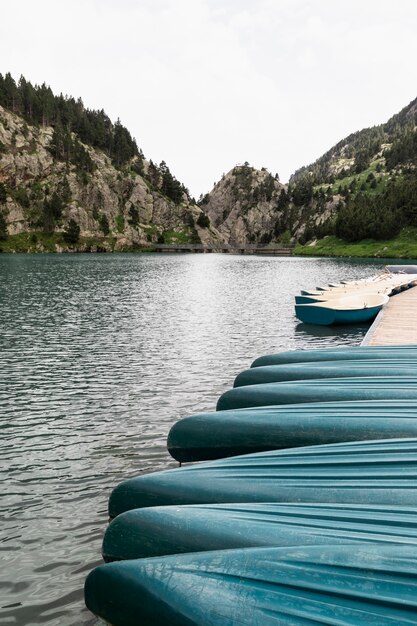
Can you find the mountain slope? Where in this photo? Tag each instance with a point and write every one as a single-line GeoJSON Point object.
{"type": "Point", "coordinates": [368, 181]}
{"type": "Point", "coordinates": [85, 190]}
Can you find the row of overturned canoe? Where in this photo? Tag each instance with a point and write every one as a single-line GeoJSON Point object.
{"type": "Point", "coordinates": [353, 301]}
{"type": "Point", "coordinates": [303, 512]}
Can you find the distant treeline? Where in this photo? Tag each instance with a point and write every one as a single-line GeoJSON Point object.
{"type": "Point", "coordinates": [74, 125]}
{"type": "Point", "coordinates": [381, 216]}
{"type": "Point", "coordinates": [397, 139]}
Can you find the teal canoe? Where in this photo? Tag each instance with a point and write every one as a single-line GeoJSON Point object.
{"type": "Point", "coordinates": [370, 585]}
{"type": "Point", "coordinates": [318, 313]}
{"type": "Point", "coordinates": [220, 434]}
{"type": "Point", "coordinates": [326, 369]}
{"type": "Point", "coordinates": [320, 390]}
{"type": "Point", "coordinates": [377, 472]}
{"type": "Point", "coordinates": [162, 530]}
{"type": "Point", "coordinates": [358, 353]}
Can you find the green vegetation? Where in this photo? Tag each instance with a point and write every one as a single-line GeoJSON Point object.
{"type": "Point", "coordinates": [176, 236]}
{"type": "Point", "coordinates": [76, 126]}
{"type": "Point", "coordinates": [38, 105]}
{"type": "Point", "coordinates": [358, 182]}
{"type": "Point", "coordinates": [104, 224]}
{"type": "Point", "coordinates": [404, 246]}
{"type": "Point", "coordinates": [20, 194]}
{"type": "Point", "coordinates": [4, 234]}
{"type": "Point", "coordinates": [30, 242]}
{"type": "Point", "coordinates": [396, 140]}
{"type": "Point", "coordinates": [247, 189]}
{"type": "Point", "coordinates": [3, 193]}
{"type": "Point", "coordinates": [120, 223]}
{"type": "Point", "coordinates": [203, 220]}
{"type": "Point", "coordinates": [133, 216]}
{"type": "Point", "coordinates": [39, 241]}
{"type": "Point", "coordinates": [72, 233]}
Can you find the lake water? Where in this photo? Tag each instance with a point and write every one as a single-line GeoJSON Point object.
{"type": "Point", "coordinates": [99, 356]}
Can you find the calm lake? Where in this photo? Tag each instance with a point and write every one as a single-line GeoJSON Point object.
{"type": "Point", "coordinates": [99, 356]}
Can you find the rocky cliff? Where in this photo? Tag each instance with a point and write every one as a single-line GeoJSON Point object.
{"type": "Point", "coordinates": [116, 208]}
{"type": "Point", "coordinates": [246, 206]}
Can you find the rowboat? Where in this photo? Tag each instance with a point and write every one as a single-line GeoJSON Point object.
{"type": "Point", "coordinates": [161, 530]}
{"type": "Point", "coordinates": [365, 472]}
{"type": "Point", "coordinates": [326, 369]}
{"type": "Point", "coordinates": [356, 353]}
{"type": "Point", "coordinates": [402, 269]}
{"type": "Point", "coordinates": [391, 285]}
{"type": "Point", "coordinates": [222, 434]}
{"type": "Point", "coordinates": [325, 390]}
{"type": "Point", "coordinates": [344, 310]}
{"type": "Point", "coordinates": [368, 585]}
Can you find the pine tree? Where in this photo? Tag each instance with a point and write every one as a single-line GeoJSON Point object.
{"type": "Point", "coordinates": [72, 233]}
{"type": "Point", "coordinates": [4, 233]}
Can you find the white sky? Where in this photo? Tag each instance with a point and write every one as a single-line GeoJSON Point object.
{"type": "Point", "coordinates": [206, 84]}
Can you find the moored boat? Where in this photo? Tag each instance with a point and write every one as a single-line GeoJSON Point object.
{"type": "Point", "coordinates": [365, 472]}
{"type": "Point", "coordinates": [326, 369]}
{"type": "Point", "coordinates": [364, 585]}
{"type": "Point", "coordinates": [345, 310]}
{"type": "Point", "coordinates": [222, 434]}
{"type": "Point", "coordinates": [338, 354]}
{"type": "Point", "coordinates": [161, 530]}
{"type": "Point", "coordinates": [320, 390]}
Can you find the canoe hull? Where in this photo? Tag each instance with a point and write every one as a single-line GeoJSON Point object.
{"type": "Point", "coordinates": [158, 531]}
{"type": "Point", "coordinates": [327, 390]}
{"type": "Point", "coordinates": [325, 369]}
{"type": "Point", "coordinates": [323, 316]}
{"type": "Point", "coordinates": [244, 431]}
{"type": "Point", "coordinates": [366, 586]}
{"type": "Point", "coordinates": [378, 472]}
{"type": "Point", "coordinates": [337, 354]}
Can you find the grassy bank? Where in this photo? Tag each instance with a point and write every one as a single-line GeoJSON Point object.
{"type": "Point", "coordinates": [402, 247]}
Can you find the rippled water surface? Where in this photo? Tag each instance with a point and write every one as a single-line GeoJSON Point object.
{"type": "Point", "coordinates": [99, 356]}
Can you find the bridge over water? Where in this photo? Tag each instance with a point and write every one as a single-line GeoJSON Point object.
{"type": "Point", "coordinates": [278, 249]}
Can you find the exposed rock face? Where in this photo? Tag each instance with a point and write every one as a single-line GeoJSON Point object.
{"type": "Point", "coordinates": [245, 206]}
{"type": "Point", "coordinates": [118, 203]}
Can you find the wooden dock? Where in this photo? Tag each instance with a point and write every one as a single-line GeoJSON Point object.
{"type": "Point", "coordinates": [396, 324]}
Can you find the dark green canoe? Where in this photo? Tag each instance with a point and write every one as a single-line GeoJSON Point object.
{"type": "Point", "coordinates": [157, 531]}
{"type": "Point", "coordinates": [325, 390]}
{"type": "Point", "coordinates": [326, 369]}
{"type": "Point", "coordinates": [229, 433]}
{"type": "Point", "coordinates": [338, 354]}
{"type": "Point", "coordinates": [364, 585]}
{"type": "Point", "coordinates": [378, 472]}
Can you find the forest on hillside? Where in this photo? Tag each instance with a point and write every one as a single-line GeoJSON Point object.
{"type": "Point", "coordinates": [75, 126]}
{"type": "Point", "coordinates": [372, 176]}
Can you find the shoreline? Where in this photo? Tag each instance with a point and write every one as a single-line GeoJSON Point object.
{"type": "Point", "coordinates": [404, 246]}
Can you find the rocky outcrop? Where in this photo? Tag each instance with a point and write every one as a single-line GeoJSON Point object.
{"type": "Point", "coordinates": [119, 208]}
{"type": "Point", "coordinates": [247, 206]}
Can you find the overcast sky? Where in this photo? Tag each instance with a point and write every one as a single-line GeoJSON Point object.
{"type": "Point", "coordinates": [206, 84]}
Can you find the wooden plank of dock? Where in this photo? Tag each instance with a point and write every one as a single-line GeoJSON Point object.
{"type": "Point", "coordinates": [397, 322]}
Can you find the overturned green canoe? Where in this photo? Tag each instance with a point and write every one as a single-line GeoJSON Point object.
{"type": "Point", "coordinates": [242, 431]}
{"type": "Point", "coordinates": [368, 585]}
{"type": "Point", "coordinates": [157, 531]}
{"type": "Point", "coordinates": [358, 353]}
{"type": "Point", "coordinates": [320, 390]}
{"type": "Point", "coordinates": [326, 369]}
{"type": "Point", "coordinates": [378, 472]}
